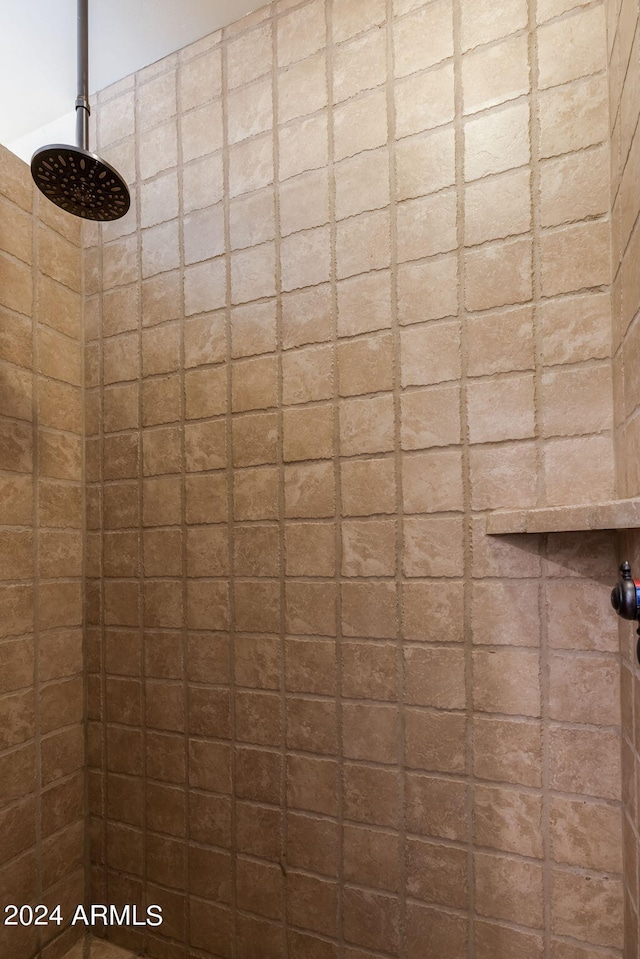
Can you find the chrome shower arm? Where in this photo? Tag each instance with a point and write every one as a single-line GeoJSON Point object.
{"type": "Point", "coordinates": [82, 100]}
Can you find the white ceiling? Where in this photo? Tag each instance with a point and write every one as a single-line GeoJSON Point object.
{"type": "Point", "coordinates": [38, 55]}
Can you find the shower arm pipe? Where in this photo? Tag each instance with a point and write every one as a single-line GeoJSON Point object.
{"type": "Point", "coordinates": [82, 99]}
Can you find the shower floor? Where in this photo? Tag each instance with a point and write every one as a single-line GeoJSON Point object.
{"type": "Point", "coordinates": [98, 949]}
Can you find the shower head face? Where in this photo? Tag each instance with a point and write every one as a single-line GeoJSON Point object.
{"type": "Point", "coordinates": [80, 182]}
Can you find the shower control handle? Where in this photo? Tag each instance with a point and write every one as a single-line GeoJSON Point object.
{"type": "Point", "coordinates": [625, 598]}
{"type": "Point", "coordinates": [625, 595]}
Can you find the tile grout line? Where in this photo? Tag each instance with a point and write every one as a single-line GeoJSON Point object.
{"type": "Point", "coordinates": [398, 476]}
{"type": "Point", "coordinates": [541, 498]}
{"type": "Point", "coordinates": [337, 475]}
{"type": "Point", "coordinates": [101, 587]}
{"type": "Point", "coordinates": [183, 507]}
{"type": "Point", "coordinates": [233, 745]}
{"type": "Point", "coordinates": [36, 553]}
{"type": "Point", "coordinates": [467, 501]}
{"type": "Point", "coordinates": [284, 804]}
{"type": "Point", "coordinates": [140, 482]}
{"type": "Point", "coordinates": [84, 577]}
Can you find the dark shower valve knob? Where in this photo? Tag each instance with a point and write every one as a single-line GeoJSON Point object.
{"type": "Point", "coordinates": [625, 598]}
{"type": "Point", "coordinates": [625, 595]}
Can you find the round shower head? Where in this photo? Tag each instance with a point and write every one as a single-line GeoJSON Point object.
{"type": "Point", "coordinates": [80, 182]}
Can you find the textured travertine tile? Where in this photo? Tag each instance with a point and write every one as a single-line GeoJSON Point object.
{"type": "Point", "coordinates": [249, 56]}
{"type": "Point", "coordinates": [433, 546]}
{"type": "Point", "coordinates": [156, 101]}
{"type": "Point", "coordinates": [497, 141]}
{"type": "Point", "coordinates": [430, 418]}
{"type": "Point", "coordinates": [249, 112]}
{"type": "Point", "coordinates": [495, 941]}
{"type": "Point", "coordinates": [582, 37]}
{"type": "Point", "coordinates": [160, 250]}
{"type": "Point", "coordinates": [158, 150]}
{"type": "Point", "coordinates": [575, 258]}
{"type": "Point", "coordinates": [508, 820]}
{"type": "Point", "coordinates": [159, 199]}
{"type": "Point", "coordinates": [366, 426]}
{"type": "Point", "coordinates": [582, 761]}
{"type": "Point", "coordinates": [424, 101]}
{"type": "Point", "coordinates": [505, 613]}
{"type": "Point", "coordinates": [116, 119]}
{"type": "Point", "coordinates": [309, 491]}
{"type": "Point", "coordinates": [509, 889]}
{"type": "Point", "coordinates": [432, 482]}
{"type": "Point", "coordinates": [500, 342]}
{"type": "Point", "coordinates": [501, 409]}
{"type": "Point", "coordinates": [304, 202]}
{"type": "Point", "coordinates": [425, 164]}
{"type": "Point", "coordinates": [205, 393]}
{"type": "Point", "coordinates": [302, 145]}
{"type": "Point", "coordinates": [495, 74]}
{"type": "Point", "coordinates": [203, 235]}
{"type": "Point", "coordinates": [360, 124]}
{"type": "Point", "coordinates": [355, 16]}
{"type": "Point", "coordinates": [427, 226]}
{"type": "Point", "coordinates": [576, 401]}
{"type": "Point", "coordinates": [359, 65]}
{"type": "Point", "coordinates": [573, 117]}
{"type": "Point", "coordinates": [504, 477]}
{"type": "Point", "coordinates": [253, 329]}
{"type": "Point", "coordinates": [553, 8]}
{"type": "Point", "coordinates": [364, 304]}
{"type": "Point", "coordinates": [302, 89]}
{"type": "Point", "coordinates": [434, 740]}
{"type": "Point", "coordinates": [423, 38]}
{"type": "Point", "coordinates": [574, 187]}
{"type": "Point", "coordinates": [307, 375]}
{"type": "Point", "coordinates": [308, 433]}
{"type": "Point", "coordinates": [205, 287]}
{"type": "Point", "coordinates": [305, 259]}
{"type": "Point", "coordinates": [498, 207]}
{"type": "Point", "coordinates": [202, 182]}
{"type": "Point", "coordinates": [499, 275]}
{"type": "Point", "coordinates": [584, 690]}
{"type": "Point", "coordinates": [578, 470]}
{"type": "Point", "coordinates": [506, 681]}
{"type": "Point", "coordinates": [575, 328]}
{"type": "Point", "coordinates": [253, 273]}
{"type": "Point", "coordinates": [250, 165]}
{"type": "Point", "coordinates": [599, 915]}
{"type": "Point", "coordinates": [203, 340]}
{"type": "Point", "coordinates": [507, 751]}
{"type": "Point", "coordinates": [586, 835]}
{"type": "Point", "coordinates": [362, 183]}
{"type": "Point", "coordinates": [368, 487]}
{"type": "Point", "coordinates": [430, 354]}
{"type": "Point", "coordinates": [201, 79]}
{"type": "Point", "coordinates": [302, 561]}
{"type": "Point", "coordinates": [365, 365]}
{"type": "Point", "coordinates": [447, 931]}
{"type": "Point", "coordinates": [480, 25]}
{"type": "Point", "coordinates": [301, 33]}
{"type": "Point", "coordinates": [307, 316]}
{"type": "Point", "coordinates": [435, 677]}
{"type": "Point", "coordinates": [428, 291]}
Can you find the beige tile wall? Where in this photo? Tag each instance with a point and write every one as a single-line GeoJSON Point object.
{"type": "Point", "coordinates": [624, 78]}
{"type": "Point", "coordinates": [42, 806]}
{"type": "Point", "coordinates": [361, 298]}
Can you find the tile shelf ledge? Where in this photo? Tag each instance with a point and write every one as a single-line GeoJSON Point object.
{"type": "Point", "coordinates": [608, 514]}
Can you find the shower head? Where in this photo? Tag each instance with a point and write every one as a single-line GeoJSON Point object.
{"type": "Point", "coordinates": [70, 176]}
{"type": "Point", "coordinates": [80, 182]}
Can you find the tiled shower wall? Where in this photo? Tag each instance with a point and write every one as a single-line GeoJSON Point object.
{"type": "Point", "coordinates": [42, 802]}
{"type": "Point", "coordinates": [361, 298]}
{"type": "Point", "coordinates": [624, 82]}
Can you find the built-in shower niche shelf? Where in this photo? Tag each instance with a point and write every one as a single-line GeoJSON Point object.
{"type": "Point", "coordinates": [609, 514]}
